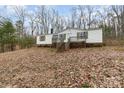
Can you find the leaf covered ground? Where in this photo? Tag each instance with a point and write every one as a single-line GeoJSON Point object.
{"type": "Point", "coordinates": [81, 67]}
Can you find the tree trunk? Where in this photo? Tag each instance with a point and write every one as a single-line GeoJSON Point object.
{"type": "Point", "coordinates": [2, 47]}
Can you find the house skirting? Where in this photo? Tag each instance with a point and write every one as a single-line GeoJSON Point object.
{"type": "Point", "coordinates": [73, 45]}
{"type": "Point", "coordinates": [94, 44]}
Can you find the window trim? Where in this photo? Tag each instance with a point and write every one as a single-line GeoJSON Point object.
{"type": "Point", "coordinates": [55, 36]}
{"type": "Point", "coordinates": [42, 37]}
{"type": "Point", "coordinates": [82, 35]}
{"type": "Point", "coordinates": [62, 36]}
{"type": "Point", "coordinates": [86, 35]}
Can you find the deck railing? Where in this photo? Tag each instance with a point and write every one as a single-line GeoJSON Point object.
{"type": "Point", "coordinates": [76, 39]}
{"type": "Point", "coordinates": [72, 39]}
{"type": "Point", "coordinates": [55, 40]}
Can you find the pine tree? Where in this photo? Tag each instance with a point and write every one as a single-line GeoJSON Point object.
{"type": "Point", "coordinates": [7, 35]}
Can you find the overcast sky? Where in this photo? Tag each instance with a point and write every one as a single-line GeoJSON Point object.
{"type": "Point", "coordinates": [7, 11]}
{"type": "Point", "coordinates": [64, 10]}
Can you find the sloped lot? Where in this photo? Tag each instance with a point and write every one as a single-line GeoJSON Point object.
{"type": "Point", "coordinates": [82, 67]}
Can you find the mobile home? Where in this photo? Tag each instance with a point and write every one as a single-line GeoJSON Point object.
{"type": "Point", "coordinates": [44, 39]}
{"type": "Point", "coordinates": [72, 35]}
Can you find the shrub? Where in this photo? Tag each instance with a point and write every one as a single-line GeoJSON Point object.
{"type": "Point", "coordinates": [26, 42]}
{"type": "Point", "coordinates": [86, 85]}
{"type": "Point", "coordinates": [61, 47]}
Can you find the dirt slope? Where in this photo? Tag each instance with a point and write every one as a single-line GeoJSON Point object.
{"type": "Point", "coordinates": [43, 67]}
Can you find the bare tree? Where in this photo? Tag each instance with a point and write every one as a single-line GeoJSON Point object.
{"type": "Point", "coordinates": [20, 14]}
{"type": "Point", "coordinates": [90, 12]}
{"type": "Point", "coordinates": [82, 17]}
{"type": "Point", "coordinates": [119, 12]}
{"type": "Point", "coordinates": [73, 17]}
{"type": "Point", "coordinates": [122, 18]}
{"type": "Point", "coordinates": [43, 19]}
{"type": "Point", "coordinates": [54, 20]}
{"type": "Point", "coordinates": [40, 19]}
{"type": "Point", "coordinates": [32, 18]}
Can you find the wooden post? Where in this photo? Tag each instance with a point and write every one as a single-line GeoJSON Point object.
{"type": "Point", "coordinates": [67, 45]}
{"type": "Point", "coordinates": [61, 46]}
{"type": "Point", "coordinates": [85, 44]}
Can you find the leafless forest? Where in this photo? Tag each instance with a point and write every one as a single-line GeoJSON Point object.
{"type": "Point", "coordinates": [24, 24]}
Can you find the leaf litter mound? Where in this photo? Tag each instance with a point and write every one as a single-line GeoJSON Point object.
{"type": "Point", "coordinates": [81, 67]}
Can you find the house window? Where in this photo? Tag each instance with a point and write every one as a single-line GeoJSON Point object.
{"type": "Point", "coordinates": [82, 35]}
{"type": "Point", "coordinates": [62, 36]}
{"type": "Point", "coordinates": [86, 35]}
{"type": "Point", "coordinates": [55, 37]}
{"type": "Point", "coordinates": [42, 38]}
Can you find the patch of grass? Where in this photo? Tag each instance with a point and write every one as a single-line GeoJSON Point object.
{"type": "Point", "coordinates": [119, 49]}
{"type": "Point", "coordinates": [52, 49]}
{"type": "Point", "coordinates": [86, 85]}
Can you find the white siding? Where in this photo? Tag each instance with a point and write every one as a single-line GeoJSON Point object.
{"type": "Point", "coordinates": [67, 32]}
{"type": "Point", "coordinates": [95, 36]}
{"type": "Point", "coordinates": [72, 33]}
{"type": "Point", "coordinates": [48, 40]}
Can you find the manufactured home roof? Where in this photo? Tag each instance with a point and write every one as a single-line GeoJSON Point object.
{"type": "Point", "coordinates": [72, 29]}
{"type": "Point", "coordinates": [80, 29]}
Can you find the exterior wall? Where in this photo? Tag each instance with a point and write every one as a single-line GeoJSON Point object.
{"type": "Point", "coordinates": [48, 40]}
{"type": "Point", "coordinates": [71, 33]}
{"type": "Point", "coordinates": [95, 36]}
